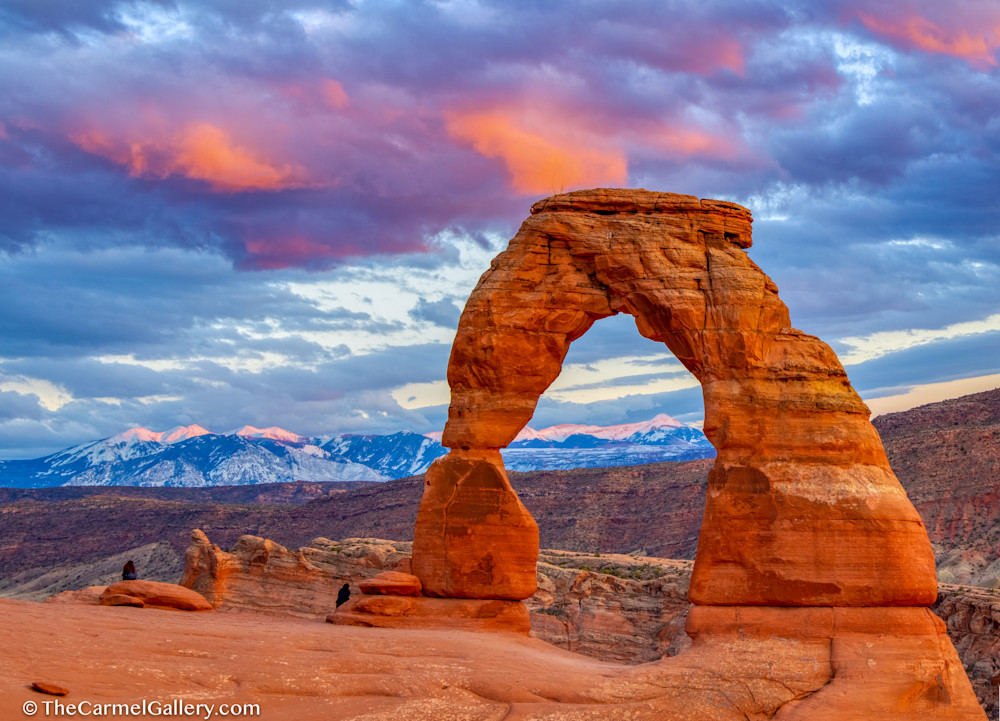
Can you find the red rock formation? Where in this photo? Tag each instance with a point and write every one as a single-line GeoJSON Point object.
{"type": "Point", "coordinates": [262, 576]}
{"type": "Point", "coordinates": [810, 555]}
{"type": "Point", "coordinates": [802, 507]}
{"type": "Point", "coordinates": [154, 593]}
{"type": "Point", "coordinates": [391, 583]}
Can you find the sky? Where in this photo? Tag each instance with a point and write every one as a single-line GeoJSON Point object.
{"type": "Point", "coordinates": [231, 212]}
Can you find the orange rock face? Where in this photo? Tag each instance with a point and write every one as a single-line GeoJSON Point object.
{"type": "Point", "coordinates": [473, 538]}
{"type": "Point", "coordinates": [802, 507]}
{"type": "Point", "coordinates": [391, 583]}
{"type": "Point", "coordinates": [154, 593]}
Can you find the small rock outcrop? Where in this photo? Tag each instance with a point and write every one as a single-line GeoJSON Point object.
{"type": "Point", "coordinates": [391, 583]}
{"type": "Point", "coordinates": [262, 576]}
{"type": "Point", "coordinates": [154, 593]}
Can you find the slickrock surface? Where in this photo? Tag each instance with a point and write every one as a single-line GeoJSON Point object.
{"type": "Point", "coordinates": [300, 670]}
{"type": "Point", "coordinates": [802, 507]}
{"type": "Point", "coordinates": [613, 607]}
{"type": "Point", "coordinates": [154, 593]}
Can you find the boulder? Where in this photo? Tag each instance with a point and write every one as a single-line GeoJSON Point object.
{"type": "Point", "coordinates": [262, 576]}
{"type": "Point", "coordinates": [121, 599]}
{"type": "Point", "coordinates": [391, 583]}
{"type": "Point", "coordinates": [157, 593]}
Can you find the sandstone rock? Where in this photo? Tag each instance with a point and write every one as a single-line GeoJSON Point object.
{"type": "Point", "coordinates": [89, 595]}
{"type": "Point", "coordinates": [622, 608]}
{"type": "Point", "coordinates": [464, 491]}
{"type": "Point", "coordinates": [391, 583]}
{"type": "Point", "coordinates": [262, 576]}
{"type": "Point", "coordinates": [49, 688]}
{"type": "Point", "coordinates": [157, 593]}
{"type": "Point", "coordinates": [121, 599]}
{"type": "Point", "coordinates": [464, 614]}
{"type": "Point", "coordinates": [972, 617]}
{"type": "Point", "coordinates": [802, 507]}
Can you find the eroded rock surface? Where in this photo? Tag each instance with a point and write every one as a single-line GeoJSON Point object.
{"type": "Point", "coordinates": [260, 575]}
{"type": "Point", "coordinates": [972, 616]}
{"type": "Point", "coordinates": [154, 593]}
{"type": "Point", "coordinates": [802, 507]}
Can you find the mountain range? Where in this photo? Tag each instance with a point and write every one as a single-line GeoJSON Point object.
{"type": "Point", "coordinates": [192, 456]}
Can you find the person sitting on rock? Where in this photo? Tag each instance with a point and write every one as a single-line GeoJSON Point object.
{"type": "Point", "coordinates": [128, 572]}
{"type": "Point", "coordinates": [344, 594]}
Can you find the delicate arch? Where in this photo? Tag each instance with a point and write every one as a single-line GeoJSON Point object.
{"type": "Point", "coordinates": [802, 507]}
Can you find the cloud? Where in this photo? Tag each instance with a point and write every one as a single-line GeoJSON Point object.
{"type": "Point", "coordinates": [442, 312]}
{"type": "Point", "coordinates": [543, 157]}
{"type": "Point", "coordinates": [201, 152]}
{"type": "Point", "coordinates": [968, 32]}
{"type": "Point", "coordinates": [244, 208]}
{"type": "Point", "coordinates": [883, 343]}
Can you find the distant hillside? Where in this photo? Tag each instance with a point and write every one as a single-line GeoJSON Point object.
{"type": "Point", "coordinates": [586, 510]}
{"type": "Point", "coordinates": [947, 456]}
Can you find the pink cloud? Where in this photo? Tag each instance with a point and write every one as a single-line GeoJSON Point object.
{"type": "Point", "coordinates": [200, 151]}
{"type": "Point", "coordinates": [333, 93]}
{"type": "Point", "coordinates": [542, 155]}
{"type": "Point", "coordinates": [973, 37]}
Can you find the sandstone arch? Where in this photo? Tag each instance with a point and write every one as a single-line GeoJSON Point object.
{"type": "Point", "coordinates": [802, 507]}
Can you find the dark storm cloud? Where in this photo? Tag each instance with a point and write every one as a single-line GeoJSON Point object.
{"type": "Point", "coordinates": [15, 406]}
{"type": "Point", "coordinates": [163, 303]}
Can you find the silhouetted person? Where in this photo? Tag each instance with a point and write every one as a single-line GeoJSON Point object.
{"type": "Point", "coordinates": [344, 595]}
{"type": "Point", "coordinates": [128, 572]}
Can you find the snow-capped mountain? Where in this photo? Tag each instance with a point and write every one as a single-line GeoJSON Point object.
{"type": "Point", "coordinates": [396, 456]}
{"type": "Point", "coordinates": [629, 444]}
{"type": "Point", "coordinates": [189, 457]}
{"type": "Point", "coordinates": [193, 456]}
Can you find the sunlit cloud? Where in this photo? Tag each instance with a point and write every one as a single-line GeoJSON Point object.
{"type": "Point", "coordinates": [199, 151]}
{"type": "Point", "coordinates": [543, 155]}
{"type": "Point", "coordinates": [876, 345]}
{"type": "Point", "coordinates": [930, 393]}
{"type": "Point", "coordinates": [50, 395]}
{"type": "Point", "coordinates": [974, 39]}
{"type": "Point", "coordinates": [334, 94]}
